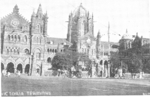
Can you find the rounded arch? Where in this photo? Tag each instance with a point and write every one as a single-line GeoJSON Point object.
{"type": "Point", "coordinates": [47, 50]}
{"type": "Point", "coordinates": [49, 60]}
{"type": "Point", "coordinates": [101, 62]}
{"type": "Point", "coordinates": [25, 37]}
{"type": "Point", "coordinates": [19, 38]}
{"type": "Point", "coordinates": [26, 51]}
{"type": "Point", "coordinates": [2, 67]}
{"type": "Point", "coordinates": [10, 67]}
{"type": "Point", "coordinates": [12, 37]}
{"type": "Point", "coordinates": [9, 37]}
{"type": "Point", "coordinates": [37, 53]}
{"type": "Point", "coordinates": [106, 63]}
{"type": "Point", "coordinates": [15, 37]}
{"type": "Point", "coordinates": [27, 68]}
{"type": "Point", "coordinates": [19, 67]}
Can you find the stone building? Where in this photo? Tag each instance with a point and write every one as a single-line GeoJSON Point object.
{"type": "Point", "coordinates": [81, 35]}
{"type": "Point", "coordinates": [26, 46]}
{"type": "Point", "coordinates": [138, 45]}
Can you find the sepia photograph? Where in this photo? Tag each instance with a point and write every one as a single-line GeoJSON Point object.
{"type": "Point", "coordinates": [75, 47]}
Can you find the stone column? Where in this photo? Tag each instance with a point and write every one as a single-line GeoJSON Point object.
{"type": "Point", "coordinates": [15, 70]}
{"type": "Point", "coordinates": [108, 71]}
{"type": "Point", "coordinates": [103, 69]}
{"type": "Point", "coordinates": [23, 70]}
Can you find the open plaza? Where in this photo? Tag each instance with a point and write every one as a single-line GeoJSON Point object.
{"type": "Point", "coordinates": [34, 63]}
{"type": "Point", "coordinates": [60, 86]}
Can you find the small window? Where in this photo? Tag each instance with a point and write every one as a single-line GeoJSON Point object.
{"type": "Point", "coordinates": [9, 37]}
{"type": "Point", "coordinates": [51, 42]}
{"type": "Point", "coordinates": [27, 51]}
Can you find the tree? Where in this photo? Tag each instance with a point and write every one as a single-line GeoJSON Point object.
{"type": "Point", "coordinates": [69, 58]}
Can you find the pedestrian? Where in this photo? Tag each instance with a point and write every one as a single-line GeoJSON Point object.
{"type": "Point", "coordinates": [18, 73]}
{"type": "Point", "coordinates": [4, 72]}
{"type": "Point", "coordinates": [8, 74]}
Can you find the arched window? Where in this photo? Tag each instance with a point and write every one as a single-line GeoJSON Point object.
{"type": "Point", "coordinates": [39, 28]}
{"type": "Point", "coordinates": [41, 40]}
{"type": "Point", "coordinates": [10, 50]}
{"type": "Point", "coordinates": [25, 37]}
{"type": "Point", "coordinates": [37, 40]}
{"type": "Point", "coordinates": [18, 51]}
{"type": "Point", "coordinates": [8, 37]}
{"type": "Point", "coordinates": [56, 51]}
{"type": "Point", "coordinates": [12, 38]}
{"type": "Point", "coordinates": [18, 38]}
{"type": "Point", "coordinates": [7, 51]}
{"type": "Point", "coordinates": [26, 51]}
{"type": "Point", "coordinates": [15, 38]}
{"type": "Point", "coordinates": [13, 49]}
{"type": "Point", "coordinates": [49, 60]}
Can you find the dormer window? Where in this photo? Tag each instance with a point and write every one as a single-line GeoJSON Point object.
{"type": "Point", "coordinates": [51, 42]}
{"type": "Point", "coordinates": [64, 43]}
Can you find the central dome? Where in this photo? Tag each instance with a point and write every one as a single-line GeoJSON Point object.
{"type": "Point", "coordinates": [80, 11]}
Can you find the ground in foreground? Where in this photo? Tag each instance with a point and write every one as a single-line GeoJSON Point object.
{"type": "Point", "coordinates": [39, 86]}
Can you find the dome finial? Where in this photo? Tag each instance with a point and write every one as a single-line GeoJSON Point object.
{"type": "Point", "coordinates": [80, 4]}
{"type": "Point", "coordinates": [39, 9]}
{"type": "Point", "coordinates": [126, 30]}
{"type": "Point", "coordinates": [16, 9]}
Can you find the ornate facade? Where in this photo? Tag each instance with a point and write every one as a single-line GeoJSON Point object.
{"type": "Point", "coordinates": [25, 46]}
{"type": "Point", "coordinates": [81, 35]}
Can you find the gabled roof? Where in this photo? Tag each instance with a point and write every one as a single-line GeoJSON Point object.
{"type": "Point", "coordinates": [57, 41]}
{"type": "Point", "coordinates": [15, 15]}
{"type": "Point", "coordinates": [88, 35]}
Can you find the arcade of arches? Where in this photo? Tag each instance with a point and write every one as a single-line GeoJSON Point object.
{"type": "Point", "coordinates": [10, 67]}
{"type": "Point", "coordinates": [102, 69]}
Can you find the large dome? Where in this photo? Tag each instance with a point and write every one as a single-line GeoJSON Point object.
{"type": "Point", "coordinates": [80, 11]}
{"type": "Point", "coordinates": [127, 36]}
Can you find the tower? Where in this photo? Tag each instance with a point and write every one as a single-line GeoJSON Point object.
{"type": "Point", "coordinates": [80, 25]}
{"type": "Point", "coordinates": [39, 22]}
{"type": "Point", "coordinates": [69, 28]}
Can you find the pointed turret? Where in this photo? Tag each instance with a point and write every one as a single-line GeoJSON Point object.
{"type": "Point", "coordinates": [39, 12]}
{"type": "Point", "coordinates": [126, 31]}
{"type": "Point", "coordinates": [15, 9]}
{"type": "Point", "coordinates": [98, 44]}
{"type": "Point", "coordinates": [69, 28]}
{"type": "Point", "coordinates": [33, 16]}
{"type": "Point", "coordinates": [92, 24]}
{"type": "Point", "coordinates": [45, 18]}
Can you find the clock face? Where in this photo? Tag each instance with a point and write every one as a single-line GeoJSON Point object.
{"type": "Point", "coordinates": [14, 22]}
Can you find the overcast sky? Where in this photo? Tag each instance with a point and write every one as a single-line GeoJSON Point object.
{"type": "Point", "coordinates": [133, 15]}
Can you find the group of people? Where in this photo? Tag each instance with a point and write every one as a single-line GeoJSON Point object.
{"type": "Point", "coordinates": [7, 73]}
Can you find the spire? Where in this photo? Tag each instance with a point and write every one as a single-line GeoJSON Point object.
{"type": "Point", "coordinates": [99, 34]}
{"type": "Point", "coordinates": [80, 4]}
{"type": "Point", "coordinates": [33, 14]}
{"type": "Point", "coordinates": [136, 33]}
{"type": "Point", "coordinates": [39, 11]}
{"type": "Point", "coordinates": [15, 9]}
{"type": "Point", "coordinates": [98, 44]}
{"type": "Point", "coordinates": [126, 31]}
